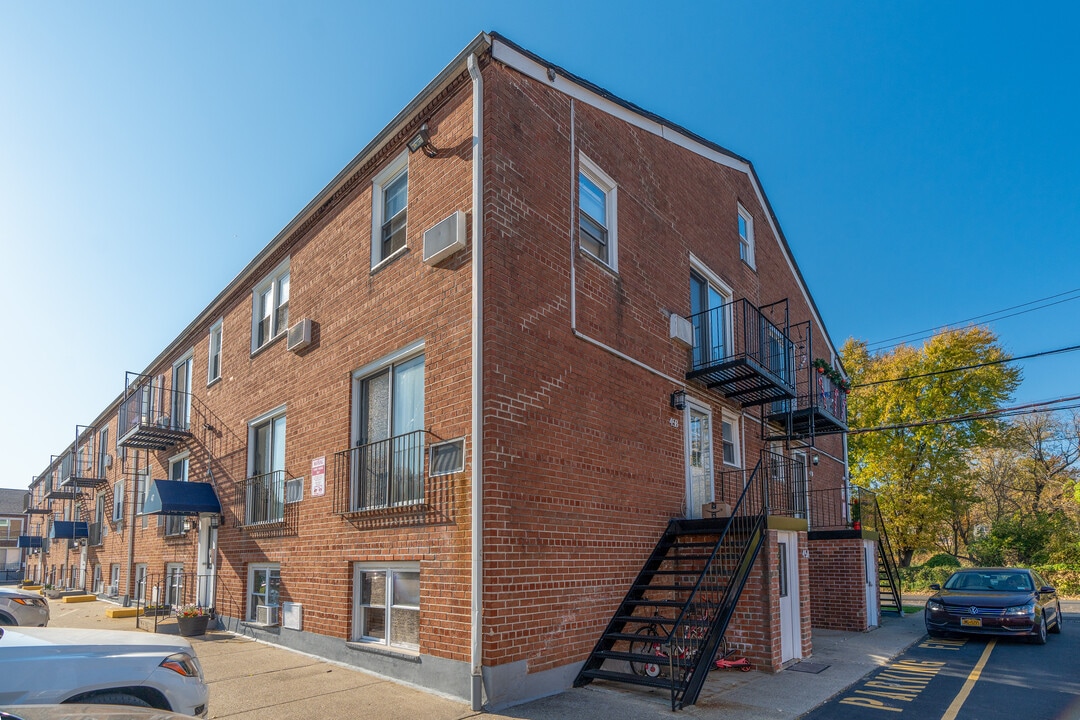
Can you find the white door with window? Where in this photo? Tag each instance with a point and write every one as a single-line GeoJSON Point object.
{"type": "Point", "coordinates": [871, 579]}
{"type": "Point", "coordinates": [266, 493]}
{"type": "Point", "coordinates": [181, 394]}
{"type": "Point", "coordinates": [800, 485]}
{"type": "Point", "coordinates": [788, 580]}
{"type": "Point", "coordinates": [699, 459]}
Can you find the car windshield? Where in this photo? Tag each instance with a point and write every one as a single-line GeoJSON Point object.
{"type": "Point", "coordinates": [989, 581]}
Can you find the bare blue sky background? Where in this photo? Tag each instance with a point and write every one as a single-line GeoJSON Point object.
{"type": "Point", "coordinates": [923, 157]}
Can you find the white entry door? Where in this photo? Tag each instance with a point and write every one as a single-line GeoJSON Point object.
{"type": "Point", "coordinates": [790, 617]}
{"type": "Point", "coordinates": [870, 559]}
{"type": "Point", "coordinates": [207, 553]}
{"type": "Point", "coordinates": [699, 459]}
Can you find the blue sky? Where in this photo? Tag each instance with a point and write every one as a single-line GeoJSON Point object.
{"type": "Point", "coordinates": [922, 157]}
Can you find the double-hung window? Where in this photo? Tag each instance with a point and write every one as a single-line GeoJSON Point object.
{"type": "Point", "coordinates": [387, 605]}
{"type": "Point", "coordinates": [103, 460]}
{"type": "Point", "coordinates": [746, 236]}
{"type": "Point", "coordinates": [264, 588]}
{"type": "Point", "coordinates": [265, 487]}
{"type": "Point", "coordinates": [213, 365]}
{"type": "Point", "coordinates": [118, 502]}
{"type": "Point", "coordinates": [597, 213]}
{"type": "Point", "coordinates": [181, 393]}
{"type": "Point", "coordinates": [389, 209]}
{"type": "Point", "coordinates": [388, 457]}
{"type": "Point", "coordinates": [730, 439]}
{"type": "Point", "coordinates": [178, 471]}
{"type": "Point", "coordinates": [270, 307]}
{"type": "Point", "coordinates": [710, 315]}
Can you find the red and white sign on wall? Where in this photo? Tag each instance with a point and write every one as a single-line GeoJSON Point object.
{"type": "Point", "coordinates": [318, 477]}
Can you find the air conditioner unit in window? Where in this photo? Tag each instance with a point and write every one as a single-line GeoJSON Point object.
{"type": "Point", "coordinates": [299, 335]}
{"type": "Point", "coordinates": [108, 461]}
{"type": "Point", "coordinates": [444, 239]}
{"type": "Point", "coordinates": [682, 330]}
{"type": "Point", "coordinates": [110, 590]}
{"type": "Point", "coordinates": [266, 614]}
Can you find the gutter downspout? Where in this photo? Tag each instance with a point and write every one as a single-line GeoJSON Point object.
{"type": "Point", "coordinates": [477, 580]}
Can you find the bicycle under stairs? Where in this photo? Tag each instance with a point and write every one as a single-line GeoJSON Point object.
{"type": "Point", "coordinates": [666, 631]}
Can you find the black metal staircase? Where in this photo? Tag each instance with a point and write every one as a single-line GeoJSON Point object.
{"type": "Point", "coordinates": [666, 631]}
{"type": "Point", "coordinates": [888, 577]}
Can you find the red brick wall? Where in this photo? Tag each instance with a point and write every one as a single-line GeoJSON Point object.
{"type": "Point", "coordinates": [837, 584]}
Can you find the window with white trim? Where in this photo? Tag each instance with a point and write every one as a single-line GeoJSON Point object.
{"type": "Point", "coordinates": [597, 213]}
{"type": "Point", "coordinates": [389, 209]}
{"type": "Point", "coordinates": [746, 236]}
{"type": "Point", "coordinates": [213, 364]}
{"type": "Point", "coordinates": [710, 315]}
{"type": "Point", "coordinates": [729, 428]}
{"type": "Point", "coordinates": [264, 587]}
{"type": "Point", "coordinates": [270, 307]}
{"type": "Point", "coordinates": [265, 487]}
{"type": "Point", "coordinates": [387, 608]}
{"type": "Point", "coordinates": [178, 471]}
{"type": "Point", "coordinates": [103, 452]}
{"type": "Point", "coordinates": [118, 502]}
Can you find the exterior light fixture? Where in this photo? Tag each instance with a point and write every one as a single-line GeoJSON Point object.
{"type": "Point", "coordinates": [187, 524]}
{"type": "Point", "coordinates": [815, 459]}
{"type": "Point", "coordinates": [678, 399]}
{"type": "Point", "coordinates": [422, 140]}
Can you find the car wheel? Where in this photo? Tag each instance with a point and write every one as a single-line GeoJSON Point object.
{"type": "Point", "coordinates": [1039, 638]}
{"type": "Point", "coordinates": [1057, 621]}
{"type": "Point", "coordinates": [5, 620]}
{"type": "Point", "coordinates": [116, 698]}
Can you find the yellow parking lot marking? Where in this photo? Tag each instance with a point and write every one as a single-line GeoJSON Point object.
{"type": "Point", "coordinates": [901, 681]}
{"type": "Point", "coordinates": [973, 677]}
{"type": "Point", "coordinates": [943, 644]}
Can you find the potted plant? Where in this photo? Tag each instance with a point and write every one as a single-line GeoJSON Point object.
{"type": "Point", "coordinates": [192, 620]}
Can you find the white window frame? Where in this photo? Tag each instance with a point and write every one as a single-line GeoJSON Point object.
{"type": "Point", "coordinates": [747, 247]}
{"type": "Point", "coordinates": [180, 407]}
{"type": "Point", "coordinates": [118, 502]}
{"type": "Point", "coordinates": [379, 183]}
{"type": "Point", "coordinates": [103, 451]}
{"type": "Point", "coordinates": [217, 331]}
{"type": "Point", "coordinates": [174, 591]}
{"type": "Point", "coordinates": [271, 284]}
{"type": "Point", "coordinates": [174, 524]}
{"type": "Point", "coordinates": [731, 421]}
{"type": "Point", "coordinates": [359, 606]}
{"type": "Point", "coordinates": [252, 608]}
{"type": "Point", "coordinates": [610, 188]}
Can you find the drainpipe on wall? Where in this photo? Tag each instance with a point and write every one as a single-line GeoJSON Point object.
{"type": "Point", "coordinates": [125, 597]}
{"type": "Point", "coordinates": [477, 607]}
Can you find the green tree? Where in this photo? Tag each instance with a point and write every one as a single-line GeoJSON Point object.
{"type": "Point", "coordinates": [918, 468]}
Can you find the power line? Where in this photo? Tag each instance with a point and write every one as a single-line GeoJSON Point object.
{"type": "Point", "coordinates": [985, 315]}
{"type": "Point", "coordinates": [988, 363]}
{"type": "Point", "coordinates": [1025, 409]}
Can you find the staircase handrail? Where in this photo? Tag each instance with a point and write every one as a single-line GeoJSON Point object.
{"type": "Point", "coordinates": [692, 681]}
{"type": "Point", "coordinates": [890, 562]}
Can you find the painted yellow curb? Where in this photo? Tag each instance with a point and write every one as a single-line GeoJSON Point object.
{"type": "Point", "coordinates": [122, 612]}
{"type": "Point", "coordinates": [78, 598]}
{"type": "Point", "coordinates": [32, 588]}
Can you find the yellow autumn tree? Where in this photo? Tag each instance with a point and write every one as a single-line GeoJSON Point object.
{"type": "Point", "coordinates": [917, 467]}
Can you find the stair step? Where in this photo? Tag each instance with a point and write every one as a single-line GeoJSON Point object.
{"type": "Point", "coordinates": [628, 678]}
{"type": "Point", "coordinates": [658, 620]}
{"type": "Point", "coordinates": [645, 658]}
{"type": "Point", "coordinates": [655, 603]}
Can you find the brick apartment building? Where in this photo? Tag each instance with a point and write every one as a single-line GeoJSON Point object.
{"type": "Point", "coordinates": [437, 426]}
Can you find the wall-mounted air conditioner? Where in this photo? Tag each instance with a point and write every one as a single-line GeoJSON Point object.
{"type": "Point", "coordinates": [266, 614]}
{"type": "Point", "coordinates": [299, 335]}
{"type": "Point", "coordinates": [444, 239]}
{"type": "Point", "coordinates": [108, 461]}
{"type": "Point", "coordinates": [292, 616]}
{"type": "Point", "coordinates": [682, 330]}
{"type": "Point", "coordinates": [110, 590]}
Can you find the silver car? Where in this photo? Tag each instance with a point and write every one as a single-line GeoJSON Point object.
{"type": "Point", "coordinates": [18, 607]}
{"type": "Point", "coordinates": [119, 667]}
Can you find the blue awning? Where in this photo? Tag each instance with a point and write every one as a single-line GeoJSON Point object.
{"type": "Point", "coordinates": [175, 497]}
{"type": "Point", "coordinates": [29, 541]}
{"type": "Point", "coordinates": [64, 530]}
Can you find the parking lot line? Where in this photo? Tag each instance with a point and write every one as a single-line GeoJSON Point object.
{"type": "Point", "coordinates": [973, 677]}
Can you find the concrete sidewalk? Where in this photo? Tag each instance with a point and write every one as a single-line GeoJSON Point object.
{"type": "Point", "coordinates": [254, 680]}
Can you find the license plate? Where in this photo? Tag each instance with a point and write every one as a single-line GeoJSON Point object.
{"type": "Point", "coordinates": [971, 622]}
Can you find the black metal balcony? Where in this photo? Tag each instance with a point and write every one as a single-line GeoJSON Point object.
{"type": "Point", "coordinates": [853, 508]}
{"type": "Point", "coordinates": [153, 417]}
{"type": "Point", "coordinates": [742, 353]}
{"type": "Point", "coordinates": [264, 499]}
{"type": "Point", "coordinates": [820, 404]}
{"type": "Point", "coordinates": [380, 475]}
{"type": "Point", "coordinates": [83, 467]}
{"type": "Point", "coordinates": [785, 485]}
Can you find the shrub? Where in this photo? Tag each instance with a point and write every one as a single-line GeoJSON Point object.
{"type": "Point", "coordinates": [942, 560]}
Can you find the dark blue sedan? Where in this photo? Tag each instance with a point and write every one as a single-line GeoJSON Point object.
{"type": "Point", "coordinates": [994, 601]}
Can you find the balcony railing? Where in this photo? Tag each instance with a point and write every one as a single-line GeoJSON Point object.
{"type": "Point", "coordinates": [839, 509]}
{"type": "Point", "coordinates": [785, 482]}
{"type": "Point", "coordinates": [153, 416]}
{"type": "Point", "coordinates": [742, 353]}
{"type": "Point", "coordinates": [264, 499]}
{"type": "Point", "coordinates": [384, 474]}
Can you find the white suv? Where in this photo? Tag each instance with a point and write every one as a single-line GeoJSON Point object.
{"type": "Point", "coordinates": [119, 667]}
{"type": "Point", "coordinates": [18, 607]}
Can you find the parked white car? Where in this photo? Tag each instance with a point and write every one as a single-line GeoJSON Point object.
{"type": "Point", "coordinates": [18, 607]}
{"type": "Point", "coordinates": [119, 667]}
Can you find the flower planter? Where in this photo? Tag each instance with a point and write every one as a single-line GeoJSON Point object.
{"type": "Point", "coordinates": [191, 626]}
